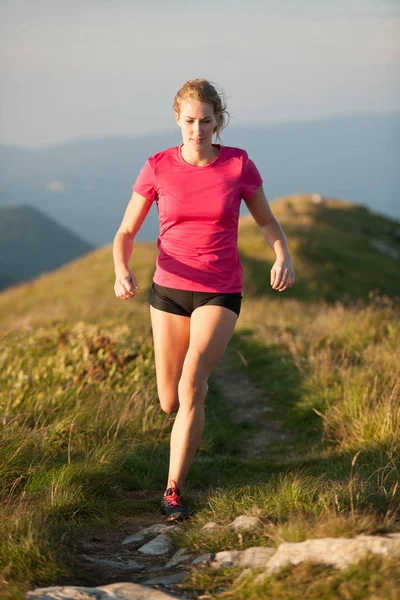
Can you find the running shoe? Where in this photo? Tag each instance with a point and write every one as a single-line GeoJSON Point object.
{"type": "Point", "coordinates": [172, 506]}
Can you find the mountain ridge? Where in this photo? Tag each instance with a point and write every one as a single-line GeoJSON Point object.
{"type": "Point", "coordinates": [32, 243]}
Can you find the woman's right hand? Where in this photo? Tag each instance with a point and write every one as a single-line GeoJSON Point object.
{"type": "Point", "coordinates": [125, 286]}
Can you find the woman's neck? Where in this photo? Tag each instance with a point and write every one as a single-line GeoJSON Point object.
{"type": "Point", "coordinates": [202, 158]}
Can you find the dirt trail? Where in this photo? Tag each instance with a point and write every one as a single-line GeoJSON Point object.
{"type": "Point", "coordinates": [249, 403]}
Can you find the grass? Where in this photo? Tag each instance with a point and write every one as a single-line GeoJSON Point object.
{"type": "Point", "coordinates": [82, 427]}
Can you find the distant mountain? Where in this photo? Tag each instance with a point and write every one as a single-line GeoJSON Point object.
{"type": "Point", "coordinates": [86, 184]}
{"type": "Point", "coordinates": [31, 243]}
{"type": "Point", "coordinates": [5, 281]}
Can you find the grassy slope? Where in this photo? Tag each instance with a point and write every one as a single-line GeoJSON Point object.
{"type": "Point", "coordinates": [84, 428]}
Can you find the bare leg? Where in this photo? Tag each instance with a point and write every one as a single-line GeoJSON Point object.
{"type": "Point", "coordinates": [211, 328]}
{"type": "Point", "coordinates": [171, 341]}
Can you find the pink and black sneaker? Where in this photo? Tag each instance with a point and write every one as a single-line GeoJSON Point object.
{"type": "Point", "coordinates": [172, 506]}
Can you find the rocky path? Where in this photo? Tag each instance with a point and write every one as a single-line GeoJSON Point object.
{"type": "Point", "coordinates": [154, 541]}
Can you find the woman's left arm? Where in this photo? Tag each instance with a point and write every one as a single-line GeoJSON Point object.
{"type": "Point", "coordinates": [282, 272]}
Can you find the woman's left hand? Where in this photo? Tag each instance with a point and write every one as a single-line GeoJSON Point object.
{"type": "Point", "coordinates": [282, 274]}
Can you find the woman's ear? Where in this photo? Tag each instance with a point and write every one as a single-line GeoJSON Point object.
{"type": "Point", "coordinates": [177, 117]}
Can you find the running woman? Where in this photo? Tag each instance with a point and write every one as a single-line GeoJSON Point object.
{"type": "Point", "coordinates": [196, 292]}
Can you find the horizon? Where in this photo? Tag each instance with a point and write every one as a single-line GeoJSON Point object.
{"type": "Point", "coordinates": [292, 121]}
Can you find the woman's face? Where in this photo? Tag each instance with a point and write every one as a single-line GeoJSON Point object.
{"type": "Point", "coordinates": [197, 122]}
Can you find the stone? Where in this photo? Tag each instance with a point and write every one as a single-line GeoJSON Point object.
{"type": "Point", "coordinates": [257, 556]}
{"type": "Point", "coordinates": [338, 552]}
{"type": "Point", "coordinates": [147, 531]}
{"type": "Point", "coordinates": [159, 545]}
{"type": "Point", "coordinates": [316, 198]}
{"type": "Point", "coordinates": [167, 579]}
{"type": "Point", "coordinates": [260, 579]}
{"type": "Point", "coordinates": [245, 522]}
{"type": "Point", "coordinates": [211, 526]}
{"type": "Point", "coordinates": [178, 558]}
{"type": "Point", "coordinates": [133, 566]}
{"type": "Point", "coordinates": [114, 564]}
{"type": "Point", "coordinates": [226, 558]}
{"type": "Point", "coordinates": [66, 593]}
{"type": "Point", "coordinates": [203, 558]}
{"type": "Point", "coordinates": [114, 591]}
{"type": "Point", "coordinates": [180, 552]}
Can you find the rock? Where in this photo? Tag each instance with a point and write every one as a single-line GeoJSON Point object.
{"type": "Point", "coordinates": [147, 531]}
{"type": "Point", "coordinates": [113, 564]}
{"type": "Point", "coordinates": [133, 566]}
{"type": "Point", "coordinates": [180, 552]}
{"type": "Point", "coordinates": [166, 580]}
{"type": "Point", "coordinates": [226, 558]}
{"type": "Point", "coordinates": [66, 593]}
{"type": "Point", "coordinates": [316, 198]}
{"type": "Point", "coordinates": [155, 568]}
{"type": "Point", "coordinates": [385, 248]}
{"type": "Point", "coordinates": [245, 522]}
{"type": "Point", "coordinates": [339, 552]}
{"type": "Point", "coordinates": [211, 526]}
{"type": "Point", "coordinates": [135, 537]}
{"type": "Point", "coordinates": [257, 556]}
{"type": "Point", "coordinates": [203, 558]}
{"type": "Point", "coordinates": [178, 558]}
{"type": "Point", "coordinates": [159, 545]}
{"type": "Point", "coordinates": [114, 591]}
{"type": "Point", "coordinates": [260, 579]}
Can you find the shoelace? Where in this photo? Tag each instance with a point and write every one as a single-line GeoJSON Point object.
{"type": "Point", "coordinates": [173, 498]}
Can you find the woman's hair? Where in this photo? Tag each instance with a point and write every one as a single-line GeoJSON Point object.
{"type": "Point", "coordinates": [202, 90]}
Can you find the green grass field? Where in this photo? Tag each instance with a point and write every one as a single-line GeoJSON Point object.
{"type": "Point", "coordinates": [81, 427]}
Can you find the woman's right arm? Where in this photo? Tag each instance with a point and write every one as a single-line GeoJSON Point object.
{"type": "Point", "coordinates": [125, 282]}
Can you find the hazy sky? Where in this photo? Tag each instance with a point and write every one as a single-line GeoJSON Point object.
{"type": "Point", "coordinates": [93, 68]}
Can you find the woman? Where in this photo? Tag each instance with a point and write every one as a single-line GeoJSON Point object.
{"type": "Point", "coordinates": [196, 293]}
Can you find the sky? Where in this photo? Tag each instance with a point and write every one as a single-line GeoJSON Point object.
{"type": "Point", "coordinates": [93, 68]}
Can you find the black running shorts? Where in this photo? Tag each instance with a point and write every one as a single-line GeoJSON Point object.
{"type": "Point", "coordinates": [183, 302]}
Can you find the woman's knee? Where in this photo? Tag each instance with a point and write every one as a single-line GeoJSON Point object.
{"type": "Point", "coordinates": [169, 402]}
{"type": "Point", "coordinates": [193, 387]}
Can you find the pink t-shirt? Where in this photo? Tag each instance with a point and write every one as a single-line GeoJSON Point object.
{"type": "Point", "coordinates": [198, 209]}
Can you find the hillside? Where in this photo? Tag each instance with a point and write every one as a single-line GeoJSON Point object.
{"type": "Point", "coordinates": [332, 249]}
{"type": "Point", "coordinates": [341, 251]}
{"type": "Point", "coordinates": [32, 243]}
{"type": "Point", "coordinates": [302, 420]}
